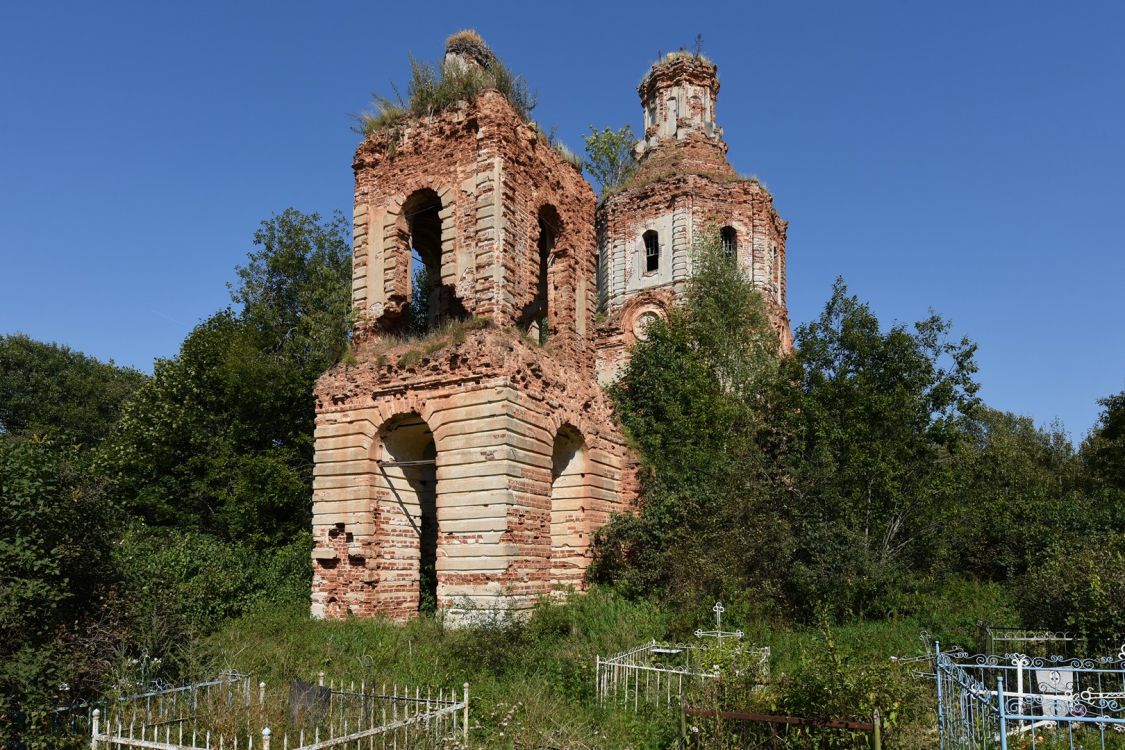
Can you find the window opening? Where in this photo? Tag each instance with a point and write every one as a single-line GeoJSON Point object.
{"type": "Point", "coordinates": [652, 251]}
{"type": "Point", "coordinates": [730, 242]}
{"type": "Point", "coordinates": [536, 314]}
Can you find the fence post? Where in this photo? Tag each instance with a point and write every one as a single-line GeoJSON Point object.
{"type": "Point", "coordinates": [877, 722]}
{"type": "Point", "coordinates": [94, 728]}
{"type": "Point", "coordinates": [940, 709]}
{"type": "Point", "coordinates": [1000, 710]}
{"type": "Point", "coordinates": [321, 683]}
{"type": "Point", "coordinates": [266, 738]}
{"type": "Point", "coordinates": [465, 718]}
{"type": "Point", "coordinates": [262, 693]}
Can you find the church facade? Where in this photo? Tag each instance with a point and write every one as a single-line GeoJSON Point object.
{"type": "Point", "coordinates": [470, 468]}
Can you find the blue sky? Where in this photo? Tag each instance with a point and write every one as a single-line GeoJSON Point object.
{"type": "Point", "coordinates": [965, 157]}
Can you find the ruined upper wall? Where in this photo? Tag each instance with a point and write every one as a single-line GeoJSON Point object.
{"type": "Point", "coordinates": [495, 176]}
{"type": "Point", "coordinates": [678, 96]}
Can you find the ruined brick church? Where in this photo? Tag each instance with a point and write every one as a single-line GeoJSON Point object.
{"type": "Point", "coordinates": [471, 468]}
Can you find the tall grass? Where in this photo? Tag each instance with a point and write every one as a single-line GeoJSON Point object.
{"type": "Point", "coordinates": [432, 90]}
{"type": "Point", "coordinates": [532, 681]}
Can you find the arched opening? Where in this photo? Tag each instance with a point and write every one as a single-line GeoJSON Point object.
{"type": "Point", "coordinates": [409, 469]}
{"type": "Point", "coordinates": [729, 239]}
{"type": "Point", "coordinates": [535, 317]}
{"type": "Point", "coordinates": [569, 535]}
{"type": "Point", "coordinates": [652, 251]}
{"type": "Point", "coordinates": [430, 302]}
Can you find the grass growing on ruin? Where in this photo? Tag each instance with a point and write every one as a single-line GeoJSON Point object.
{"type": "Point", "coordinates": [532, 683]}
{"type": "Point", "coordinates": [436, 88]}
{"type": "Point", "coordinates": [421, 345]}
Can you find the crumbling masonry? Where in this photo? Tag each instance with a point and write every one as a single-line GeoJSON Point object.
{"type": "Point", "coordinates": [472, 468]}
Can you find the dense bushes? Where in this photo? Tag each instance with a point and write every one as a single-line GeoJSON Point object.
{"type": "Point", "coordinates": [191, 582]}
{"type": "Point", "coordinates": [161, 507]}
{"type": "Point", "coordinates": [1079, 587]}
{"type": "Point", "coordinates": [852, 475]}
{"type": "Point", "coordinates": [695, 401]}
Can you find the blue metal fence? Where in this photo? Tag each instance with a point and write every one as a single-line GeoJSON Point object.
{"type": "Point", "coordinates": [1042, 703]}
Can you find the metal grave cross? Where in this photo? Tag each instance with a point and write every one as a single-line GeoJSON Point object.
{"type": "Point", "coordinates": [718, 609]}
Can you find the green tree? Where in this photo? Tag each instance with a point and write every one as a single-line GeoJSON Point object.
{"type": "Point", "coordinates": [55, 542]}
{"type": "Point", "coordinates": [1019, 492]}
{"type": "Point", "coordinates": [220, 440]}
{"type": "Point", "coordinates": [1103, 451]}
{"type": "Point", "coordinates": [51, 391]}
{"type": "Point", "coordinates": [609, 157]}
{"type": "Point", "coordinates": [296, 289]}
{"type": "Point", "coordinates": [702, 401]}
{"type": "Point", "coordinates": [883, 413]}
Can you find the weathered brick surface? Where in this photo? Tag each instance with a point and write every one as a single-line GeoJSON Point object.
{"type": "Point", "coordinates": [495, 404]}
{"type": "Point", "coordinates": [682, 186]}
{"type": "Point", "coordinates": [491, 453]}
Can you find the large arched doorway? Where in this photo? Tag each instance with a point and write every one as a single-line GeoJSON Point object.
{"type": "Point", "coordinates": [409, 469]}
{"type": "Point", "coordinates": [569, 499]}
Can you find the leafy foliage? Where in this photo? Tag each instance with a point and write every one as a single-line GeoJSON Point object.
{"type": "Point", "coordinates": [220, 440]}
{"type": "Point", "coordinates": [609, 157]}
{"type": "Point", "coordinates": [819, 481]}
{"type": "Point", "coordinates": [51, 391]}
{"type": "Point", "coordinates": [190, 583]}
{"type": "Point", "coordinates": [697, 401]}
{"type": "Point", "coordinates": [1103, 452]}
{"type": "Point", "coordinates": [882, 416]}
{"type": "Point", "coordinates": [54, 552]}
{"type": "Point", "coordinates": [1019, 494]}
{"type": "Point", "coordinates": [1080, 587]}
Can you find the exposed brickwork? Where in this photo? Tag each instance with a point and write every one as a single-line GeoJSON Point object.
{"type": "Point", "coordinates": [682, 186]}
{"type": "Point", "coordinates": [482, 452]}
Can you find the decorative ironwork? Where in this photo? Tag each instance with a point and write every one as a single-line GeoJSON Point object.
{"type": "Point", "coordinates": [993, 639]}
{"type": "Point", "coordinates": [987, 701]}
{"type": "Point", "coordinates": [718, 632]}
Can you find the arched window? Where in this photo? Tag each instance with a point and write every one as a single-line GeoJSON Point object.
{"type": "Point", "coordinates": [652, 251]}
{"type": "Point", "coordinates": [730, 242]}
{"type": "Point", "coordinates": [535, 315]}
{"type": "Point", "coordinates": [430, 302]}
{"type": "Point", "coordinates": [408, 471]}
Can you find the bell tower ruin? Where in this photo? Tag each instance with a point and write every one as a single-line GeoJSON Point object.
{"type": "Point", "coordinates": [682, 185]}
{"type": "Point", "coordinates": [465, 451]}
{"type": "Point", "coordinates": [470, 464]}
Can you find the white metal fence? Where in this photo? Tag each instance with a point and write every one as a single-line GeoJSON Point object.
{"type": "Point", "coordinates": [236, 713]}
{"type": "Point", "coordinates": [662, 673]}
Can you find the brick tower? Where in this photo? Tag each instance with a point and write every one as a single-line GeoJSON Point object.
{"type": "Point", "coordinates": [470, 466]}
{"type": "Point", "coordinates": [682, 184]}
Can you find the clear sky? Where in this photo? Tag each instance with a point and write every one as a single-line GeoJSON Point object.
{"type": "Point", "coordinates": [968, 157]}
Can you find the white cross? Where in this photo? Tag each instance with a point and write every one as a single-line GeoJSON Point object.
{"type": "Point", "coordinates": [718, 609]}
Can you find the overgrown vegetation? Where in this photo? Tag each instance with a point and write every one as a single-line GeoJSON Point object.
{"type": "Point", "coordinates": [435, 88]}
{"type": "Point", "coordinates": [609, 157]}
{"type": "Point", "coordinates": [139, 513]}
{"type": "Point", "coordinates": [851, 475]}
{"type": "Point", "coordinates": [839, 500]}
